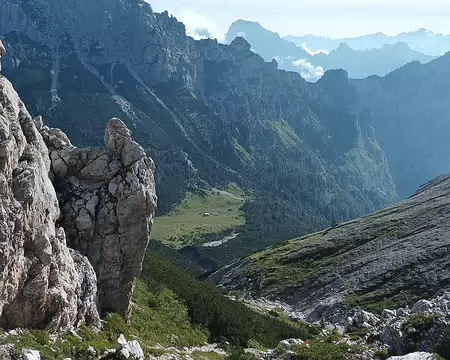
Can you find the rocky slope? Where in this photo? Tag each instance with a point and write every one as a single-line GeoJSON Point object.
{"type": "Point", "coordinates": [292, 57]}
{"type": "Point", "coordinates": [414, 332]}
{"type": "Point", "coordinates": [208, 113]}
{"type": "Point", "coordinates": [44, 282]}
{"type": "Point", "coordinates": [379, 261]}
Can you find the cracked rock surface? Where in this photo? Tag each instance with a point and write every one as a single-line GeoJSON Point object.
{"type": "Point", "coordinates": [74, 223]}
{"type": "Point", "coordinates": [108, 200]}
{"type": "Point", "coordinates": [36, 267]}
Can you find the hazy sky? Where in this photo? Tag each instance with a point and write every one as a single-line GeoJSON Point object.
{"type": "Point", "coordinates": [320, 17]}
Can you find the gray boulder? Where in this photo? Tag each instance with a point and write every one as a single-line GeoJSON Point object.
{"type": "Point", "coordinates": [129, 349]}
{"type": "Point", "coordinates": [414, 356]}
{"type": "Point", "coordinates": [9, 352]}
{"type": "Point", "coordinates": [422, 306]}
{"type": "Point", "coordinates": [29, 354]}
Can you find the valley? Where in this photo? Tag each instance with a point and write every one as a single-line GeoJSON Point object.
{"type": "Point", "coordinates": [201, 216]}
{"type": "Point", "coordinates": [168, 198]}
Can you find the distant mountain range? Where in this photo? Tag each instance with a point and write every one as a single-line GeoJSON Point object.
{"type": "Point", "coordinates": [422, 40]}
{"type": "Point", "coordinates": [298, 57]}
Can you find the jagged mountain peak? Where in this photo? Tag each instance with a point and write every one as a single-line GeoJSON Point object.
{"type": "Point", "coordinates": [343, 46]}
{"type": "Point", "coordinates": [312, 60]}
{"type": "Point", "coordinates": [241, 45]}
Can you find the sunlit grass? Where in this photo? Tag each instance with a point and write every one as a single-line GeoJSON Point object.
{"type": "Point", "coordinates": [199, 215]}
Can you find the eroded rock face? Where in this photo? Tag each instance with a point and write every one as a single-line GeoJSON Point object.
{"type": "Point", "coordinates": [107, 197]}
{"type": "Point", "coordinates": [36, 267]}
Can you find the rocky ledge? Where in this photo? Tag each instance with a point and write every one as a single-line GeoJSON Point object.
{"type": "Point", "coordinates": [104, 202]}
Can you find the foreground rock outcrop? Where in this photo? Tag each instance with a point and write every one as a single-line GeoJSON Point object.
{"type": "Point", "coordinates": [421, 332]}
{"type": "Point", "coordinates": [37, 269]}
{"type": "Point", "coordinates": [107, 197]}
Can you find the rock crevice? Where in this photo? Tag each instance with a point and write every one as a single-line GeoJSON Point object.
{"type": "Point", "coordinates": [107, 197]}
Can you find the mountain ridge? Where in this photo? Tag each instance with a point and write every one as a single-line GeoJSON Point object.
{"type": "Point", "coordinates": [297, 57]}
{"type": "Point", "coordinates": [422, 40]}
{"type": "Point", "coordinates": [208, 113]}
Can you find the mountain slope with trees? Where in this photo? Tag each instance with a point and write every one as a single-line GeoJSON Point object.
{"type": "Point", "coordinates": [209, 114]}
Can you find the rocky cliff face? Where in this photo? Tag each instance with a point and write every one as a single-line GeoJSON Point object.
{"type": "Point", "coordinates": [390, 258]}
{"type": "Point", "coordinates": [210, 114]}
{"type": "Point", "coordinates": [411, 116]}
{"type": "Point", "coordinates": [37, 269]}
{"type": "Point", "coordinates": [45, 283]}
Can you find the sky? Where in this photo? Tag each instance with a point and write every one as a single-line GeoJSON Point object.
{"type": "Point", "coordinates": [333, 18]}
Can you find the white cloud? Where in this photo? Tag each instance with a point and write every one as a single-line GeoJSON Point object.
{"type": "Point", "coordinates": [307, 70]}
{"type": "Point", "coordinates": [199, 26]}
{"type": "Point", "coordinates": [314, 52]}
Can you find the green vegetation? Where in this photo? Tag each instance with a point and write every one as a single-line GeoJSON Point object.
{"type": "Point", "coordinates": [175, 257]}
{"type": "Point", "coordinates": [439, 357]}
{"type": "Point", "coordinates": [379, 300]}
{"type": "Point", "coordinates": [281, 272]}
{"type": "Point", "coordinates": [420, 322]}
{"type": "Point", "coordinates": [246, 156]}
{"type": "Point", "coordinates": [382, 354]}
{"type": "Point", "coordinates": [285, 132]}
{"type": "Point", "coordinates": [416, 325]}
{"type": "Point", "coordinates": [160, 317]}
{"type": "Point", "coordinates": [224, 319]}
{"type": "Point", "coordinates": [321, 350]}
{"type": "Point", "coordinates": [357, 333]}
{"type": "Point", "coordinates": [68, 345]}
{"type": "Point", "coordinates": [187, 223]}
